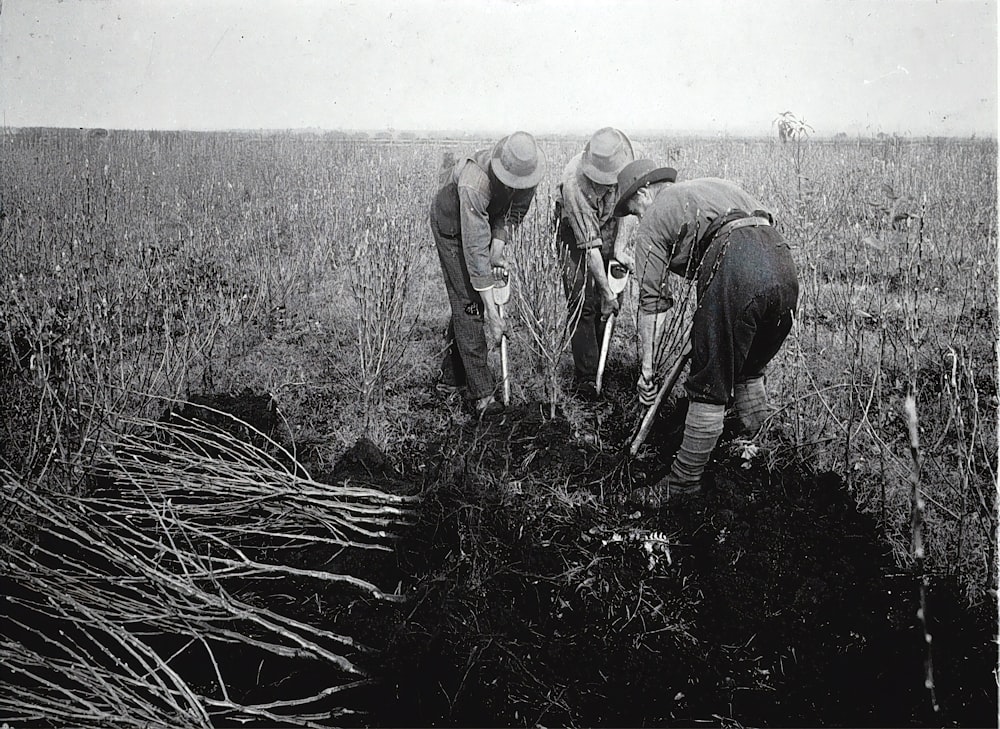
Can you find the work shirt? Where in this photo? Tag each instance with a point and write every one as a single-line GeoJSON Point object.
{"type": "Point", "coordinates": [671, 235]}
{"type": "Point", "coordinates": [475, 206]}
{"type": "Point", "coordinates": [587, 212]}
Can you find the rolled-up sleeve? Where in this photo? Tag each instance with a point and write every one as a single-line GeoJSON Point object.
{"type": "Point", "coordinates": [476, 234]}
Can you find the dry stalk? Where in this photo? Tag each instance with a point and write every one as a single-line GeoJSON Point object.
{"type": "Point", "coordinates": [917, 543]}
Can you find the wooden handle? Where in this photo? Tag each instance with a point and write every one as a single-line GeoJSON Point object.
{"type": "Point", "coordinates": [503, 369]}
{"type": "Point", "coordinates": [668, 384]}
{"type": "Point", "coordinates": [605, 345]}
{"type": "Point", "coordinates": [504, 373]}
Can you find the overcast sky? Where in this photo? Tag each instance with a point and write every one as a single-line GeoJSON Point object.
{"type": "Point", "coordinates": [716, 66]}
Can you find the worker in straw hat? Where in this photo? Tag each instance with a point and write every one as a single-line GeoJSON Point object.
{"type": "Point", "coordinates": [584, 211]}
{"type": "Point", "coordinates": [714, 233]}
{"type": "Point", "coordinates": [482, 197]}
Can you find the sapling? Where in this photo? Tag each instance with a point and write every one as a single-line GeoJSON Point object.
{"type": "Point", "coordinates": [546, 317]}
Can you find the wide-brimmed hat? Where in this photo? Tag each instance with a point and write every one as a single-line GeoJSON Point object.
{"type": "Point", "coordinates": [636, 174]}
{"type": "Point", "coordinates": [517, 161]}
{"type": "Point", "coordinates": [607, 152]}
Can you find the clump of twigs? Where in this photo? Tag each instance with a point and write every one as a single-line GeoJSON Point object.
{"type": "Point", "coordinates": [545, 315]}
{"type": "Point", "coordinates": [386, 303]}
{"type": "Point", "coordinates": [158, 588]}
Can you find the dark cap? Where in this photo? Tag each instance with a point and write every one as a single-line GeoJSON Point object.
{"type": "Point", "coordinates": [637, 174]}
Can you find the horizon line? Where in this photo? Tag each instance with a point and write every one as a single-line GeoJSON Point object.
{"type": "Point", "coordinates": [394, 132]}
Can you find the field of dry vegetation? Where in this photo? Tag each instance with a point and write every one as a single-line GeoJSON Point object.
{"type": "Point", "coordinates": [232, 494]}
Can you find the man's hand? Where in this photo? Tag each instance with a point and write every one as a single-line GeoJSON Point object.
{"type": "Point", "coordinates": [498, 259]}
{"type": "Point", "coordinates": [609, 305]}
{"type": "Point", "coordinates": [626, 259]}
{"type": "Point", "coordinates": [494, 325]}
{"type": "Point", "coordinates": [646, 390]}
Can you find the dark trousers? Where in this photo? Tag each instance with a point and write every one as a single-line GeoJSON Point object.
{"type": "Point", "coordinates": [747, 294]}
{"type": "Point", "coordinates": [465, 360]}
{"type": "Point", "coordinates": [589, 332]}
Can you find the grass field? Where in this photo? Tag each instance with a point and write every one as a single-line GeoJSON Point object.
{"type": "Point", "coordinates": [145, 270]}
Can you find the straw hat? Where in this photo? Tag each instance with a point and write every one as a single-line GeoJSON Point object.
{"type": "Point", "coordinates": [607, 152]}
{"type": "Point", "coordinates": [517, 161]}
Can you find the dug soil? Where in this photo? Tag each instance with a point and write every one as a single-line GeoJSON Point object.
{"type": "Point", "coordinates": [769, 601]}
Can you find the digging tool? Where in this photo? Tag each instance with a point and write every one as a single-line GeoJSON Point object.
{"type": "Point", "coordinates": [617, 281]}
{"type": "Point", "coordinates": [501, 295]}
{"type": "Point", "coordinates": [668, 383]}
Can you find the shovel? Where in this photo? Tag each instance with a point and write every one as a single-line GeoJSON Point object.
{"type": "Point", "coordinates": [617, 281]}
{"type": "Point", "coordinates": [501, 295]}
{"type": "Point", "coordinates": [668, 383]}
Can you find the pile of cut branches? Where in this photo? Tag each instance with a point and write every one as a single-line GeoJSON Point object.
{"type": "Point", "coordinates": [171, 595]}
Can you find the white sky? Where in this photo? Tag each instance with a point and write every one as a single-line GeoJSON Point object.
{"type": "Point", "coordinates": [717, 66]}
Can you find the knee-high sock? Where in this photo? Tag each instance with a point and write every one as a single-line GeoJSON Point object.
{"type": "Point", "coordinates": [751, 403]}
{"type": "Point", "coordinates": [702, 429]}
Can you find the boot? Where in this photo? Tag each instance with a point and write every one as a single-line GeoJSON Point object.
{"type": "Point", "coordinates": [751, 404]}
{"type": "Point", "coordinates": [702, 429]}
